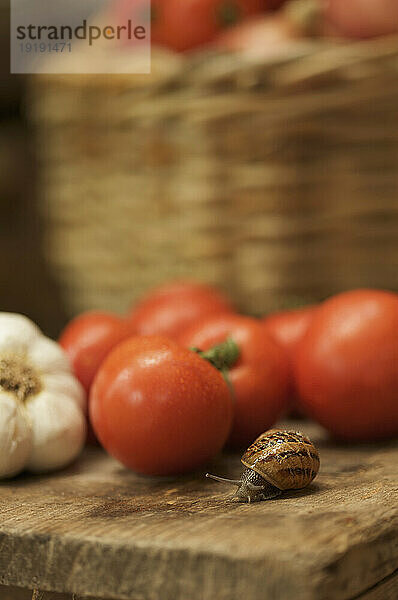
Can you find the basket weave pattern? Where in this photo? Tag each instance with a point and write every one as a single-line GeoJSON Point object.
{"type": "Point", "coordinates": [274, 180]}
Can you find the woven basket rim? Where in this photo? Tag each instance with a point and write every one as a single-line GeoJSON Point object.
{"type": "Point", "coordinates": [210, 65]}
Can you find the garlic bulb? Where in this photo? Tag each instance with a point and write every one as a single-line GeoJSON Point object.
{"type": "Point", "coordinates": [42, 405]}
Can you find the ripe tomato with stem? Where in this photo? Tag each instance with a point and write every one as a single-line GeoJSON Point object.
{"type": "Point", "coordinates": [259, 377]}
{"type": "Point", "coordinates": [159, 408]}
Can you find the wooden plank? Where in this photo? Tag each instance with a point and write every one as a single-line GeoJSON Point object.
{"type": "Point", "coordinates": [99, 530]}
{"type": "Point", "coordinates": [15, 593]}
{"type": "Point", "coordinates": [387, 589]}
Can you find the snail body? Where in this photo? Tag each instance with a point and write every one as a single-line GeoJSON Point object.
{"type": "Point", "coordinates": [278, 460]}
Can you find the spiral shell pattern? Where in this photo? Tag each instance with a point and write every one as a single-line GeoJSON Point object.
{"type": "Point", "coordinates": [286, 459]}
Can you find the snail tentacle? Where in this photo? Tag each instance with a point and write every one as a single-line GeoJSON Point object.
{"type": "Point", "coordinates": [224, 479]}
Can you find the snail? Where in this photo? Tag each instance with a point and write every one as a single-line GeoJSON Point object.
{"type": "Point", "coordinates": [278, 460]}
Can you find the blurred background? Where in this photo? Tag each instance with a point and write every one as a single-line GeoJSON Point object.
{"type": "Point", "coordinates": [261, 157]}
{"type": "Point", "coordinates": [26, 283]}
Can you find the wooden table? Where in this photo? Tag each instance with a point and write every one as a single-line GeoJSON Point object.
{"type": "Point", "coordinates": [98, 530]}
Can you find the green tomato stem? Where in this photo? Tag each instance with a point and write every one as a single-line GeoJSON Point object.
{"type": "Point", "coordinates": [222, 357]}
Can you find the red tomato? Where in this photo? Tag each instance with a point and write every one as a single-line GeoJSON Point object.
{"type": "Point", "coordinates": [88, 339]}
{"type": "Point", "coordinates": [159, 408]}
{"type": "Point", "coordinates": [260, 377]}
{"type": "Point", "coordinates": [191, 23]}
{"type": "Point", "coordinates": [363, 18]}
{"type": "Point", "coordinates": [288, 327]}
{"type": "Point", "coordinates": [346, 365]}
{"type": "Point", "coordinates": [169, 309]}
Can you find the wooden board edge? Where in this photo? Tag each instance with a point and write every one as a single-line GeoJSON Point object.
{"type": "Point", "coordinates": [386, 589]}
{"type": "Point", "coordinates": [38, 561]}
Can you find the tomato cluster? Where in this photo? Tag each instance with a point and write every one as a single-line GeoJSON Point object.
{"type": "Point", "coordinates": [183, 25]}
{"type": "Point", "coordinates": [184, 374]}
{"type": "Point", "coordinates": [261, 28]}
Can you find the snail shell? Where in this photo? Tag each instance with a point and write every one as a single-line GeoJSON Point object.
{"type": "Point", "coordinates": [286, 459]}
{"type": "Point", "coordinates": [278, 460]}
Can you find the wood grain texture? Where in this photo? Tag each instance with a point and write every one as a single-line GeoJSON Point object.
{"type": "Point", "coordinates": [387, 589]}
{"type": "Point", "coordinates": [97, 529]}
{"type": "Point", "coordinates": [15, 593]}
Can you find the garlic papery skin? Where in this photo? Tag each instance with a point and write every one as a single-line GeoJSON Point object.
{"type": "Point", "coordinates": [59, 431]}
{"type": "Point", "coordinates": [15, 435]}
{"type": "Point", "coordinates": [17, 333]}
{"type": "Point", "coordinates": [68, 385]}
{"type": "Point", "coordinates": [42, 405]}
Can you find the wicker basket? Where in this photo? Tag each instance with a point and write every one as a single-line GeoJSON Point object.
{"type": "Point", "coordinates": [275, 179]}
